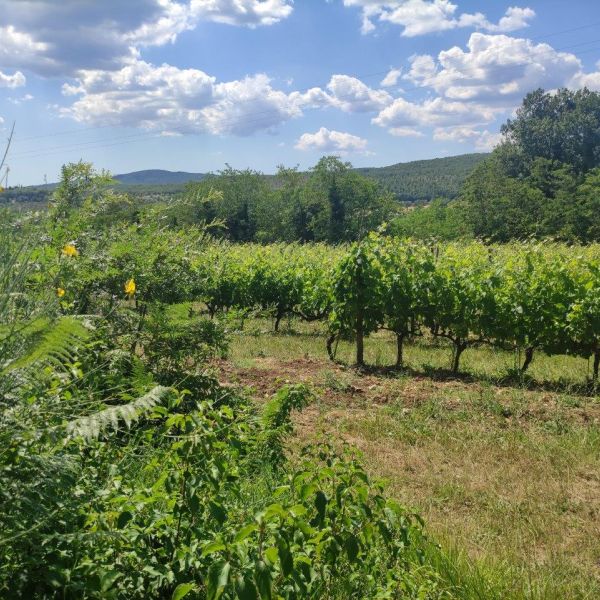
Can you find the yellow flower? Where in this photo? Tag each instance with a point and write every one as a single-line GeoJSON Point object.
{"type": "Point", "coordinates": [60, 292]}
{"type": "Point", "coordinates": [70, 250]}
{"type": "Point", "coordinates": [130, 287]}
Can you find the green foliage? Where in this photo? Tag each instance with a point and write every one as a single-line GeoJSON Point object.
{"type": "Point", "coordinates": [438, 220]}
{"type": "Point", "coordinates": [562, 126]}
{"type": "Point", "coordinates": [333, 203]}
{"type": "Point", "coordinates": [543, 180]}
{"type": "Point", "coordinates": [357, 298]}
{"type": "Point", "coordinates": [126, 471]}
{"type": "Point", "coordinates": [425, 180]}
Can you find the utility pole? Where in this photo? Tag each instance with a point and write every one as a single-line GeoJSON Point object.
{"type": "Point", "coordinates": [10, 137]}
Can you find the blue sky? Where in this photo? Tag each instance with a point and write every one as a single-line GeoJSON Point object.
{"type": "Point", "coordinates": [193, 84]}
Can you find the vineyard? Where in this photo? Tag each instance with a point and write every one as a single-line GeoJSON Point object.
{"type": "Point", "coordinates": [521, 298]}
{"type": "Point", "coordinates": [129, 470]}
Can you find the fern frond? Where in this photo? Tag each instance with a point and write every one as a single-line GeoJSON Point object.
{"type": "Point", "coordinates": [92, 426]}
{"type": "Point", "coordinates": [56, 347]}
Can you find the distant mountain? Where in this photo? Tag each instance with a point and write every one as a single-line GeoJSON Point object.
{"type": "Point", "coordinates": [158, 177]}
{"type": "Point", "coordinates": [423, 180]}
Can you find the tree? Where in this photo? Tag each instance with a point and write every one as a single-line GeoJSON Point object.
{"type": "Point", "coordinates": [350, 205]}
{"type": "Point", "coordinates": [562, 126]}
{"type": "Point", "coordinates": [540, 181]}
{"type": "Point", "coordinates": [328, 175]}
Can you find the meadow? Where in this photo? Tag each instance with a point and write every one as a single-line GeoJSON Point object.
{"type": "Point", "coordinates": [504, 471]}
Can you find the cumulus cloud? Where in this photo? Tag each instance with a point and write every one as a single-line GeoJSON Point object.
{"type": "Point", "coordinates": [476, 86]}
{"type": "Point", "coordinates": [436, 112]}
{"type": "Point", "coordinates": [175, 100]}
{"type": "Point", "coordinates": [352, 95]}
{"type": "Point", "coordinates": [495, 69]}
{"type": "Point", "coordinates": [589, 80]}
{"type": "Point", "coordinates": [326, 140]}
{"type": "Point", "coordinates": [482, 139]}
{"type": "Point", "coordinates": [419, 17]}
{"type": "Point", "coordinates": [15, 80]}
{"type": "Point", "coordinates": [61, 37]}
{"type": "Point", "coordinates": [391, 78]}
{"type": "Point", "coordinates": [406, 132]}
{"type": "Point", "coordinates": [346, 93]}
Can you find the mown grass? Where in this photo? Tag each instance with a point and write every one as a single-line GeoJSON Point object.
{"type": "Point", "coordinates": [505, 472]}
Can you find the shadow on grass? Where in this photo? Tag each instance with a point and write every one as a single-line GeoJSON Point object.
{"type": "Point", "coordinates": [512, 379]}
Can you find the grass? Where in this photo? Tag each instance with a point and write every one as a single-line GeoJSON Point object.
{"type": "Point", "coordinates": [506, 473]}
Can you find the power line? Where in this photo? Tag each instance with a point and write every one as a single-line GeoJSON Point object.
{"type": "Point", "coordinates": [266, 117]}
{"type": "Point", "coordinates": [363, 76]}
{"type": "Point", "coordinates": [266, 114]}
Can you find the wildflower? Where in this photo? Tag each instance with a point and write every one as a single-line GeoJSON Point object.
{"type": "Point", "coordinates": [60, 292]}
{"type": "Point", "coordinates": [70, 250]}
{"type": "Point", "coordinates": [130, 287]}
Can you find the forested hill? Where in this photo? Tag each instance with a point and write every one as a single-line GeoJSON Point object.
{"type": "Point", "coordinates": [425, 179]}
{"type": "Point", "coordinates": [158, 177]}
{"type": "Point", "coordinates": [414, 181]}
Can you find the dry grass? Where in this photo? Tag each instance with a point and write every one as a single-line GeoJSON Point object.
{"type": "Point", "coordinates": [509, 474]}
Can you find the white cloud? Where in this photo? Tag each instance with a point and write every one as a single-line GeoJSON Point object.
{"type": "Point", "coordinates": [250, 13]}
{"type": "Point", "coordinates": [476, 87]}
{"type": "Point", "coordinates": [61, 37]}
{"type": "Point", "coordinates": [15, 80]}
{"type": "Point", "coordinates": [391, 79]}
{"type": "Point", "coordinates": [345, 93]}
{"type": "Point", "coordinates": [419, 17]}
{"type": "Point", "coordinates": [589, 80]}
{"type": "Point", "coordinates": [166, 98]}
{"type": "Point", "coordinates": [514, 19]}
{"type": "Point", "coordinates": [436, 112]}
{"type": "Point", "coordinates": [250, 105]}
{"type": "Point", "coordinates": [18, 101]}
{"type": "Point", "coordinates": [496, 69]}
{"type": "Point", "coordinates": [326, 140]}
{"type": "Point", "coordinates": [352, 95]}
{"type": "Point", "coordinates": [482, 139]}
{"type": "Point", "coordinates": [406, 132]}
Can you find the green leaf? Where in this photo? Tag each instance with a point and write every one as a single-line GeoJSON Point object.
{"type": "Point", "coordinates": [352, 548]}
{"type": "Point", "coordinates": [244, 532]}
{"type": "Point", "coordinates": [298, 510]}
{"type": "Point", "coordinates": [182, 590]}
{"type": "Point", "coordinates": [218, 577]}
{"type": "Point", "coordinates": [262, 576]}
{"type": "Point", "coordinates": [218, 512]}
{"type": "Point", "coordinates": [108, 579]}
{"type": "Point", "coordinates": [213, 547]}
{"type": "Point", "coordinates": [271, 554]}
{"type": "Point", "coordinates": [245, 589]}
{"type": "Point", "coordinates": [274, 510]}
{"type": "Point", "coordinates": [123, 519]}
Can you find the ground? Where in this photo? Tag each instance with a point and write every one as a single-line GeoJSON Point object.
{"type": "Point", "coordinates": [505, 472]}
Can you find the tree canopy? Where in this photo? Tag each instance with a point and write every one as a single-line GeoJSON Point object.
{"type": "Point", "coordinates": [543, 180]}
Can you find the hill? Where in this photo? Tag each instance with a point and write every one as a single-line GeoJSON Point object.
{"type": "Point", "coordinates": [424, 180]}
{"type": "Point", "coordinates": [158, 177]}
{"type": "Point", "coordinates": [416, 181]}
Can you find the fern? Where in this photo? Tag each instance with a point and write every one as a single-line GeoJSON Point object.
{"type": "Point", "coordinates": [92, 426]}
{"type": "Point", "coordinates": [57, 346]}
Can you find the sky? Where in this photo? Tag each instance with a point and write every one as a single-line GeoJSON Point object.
{"type": "Point", "coordinates": [194, 84]}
